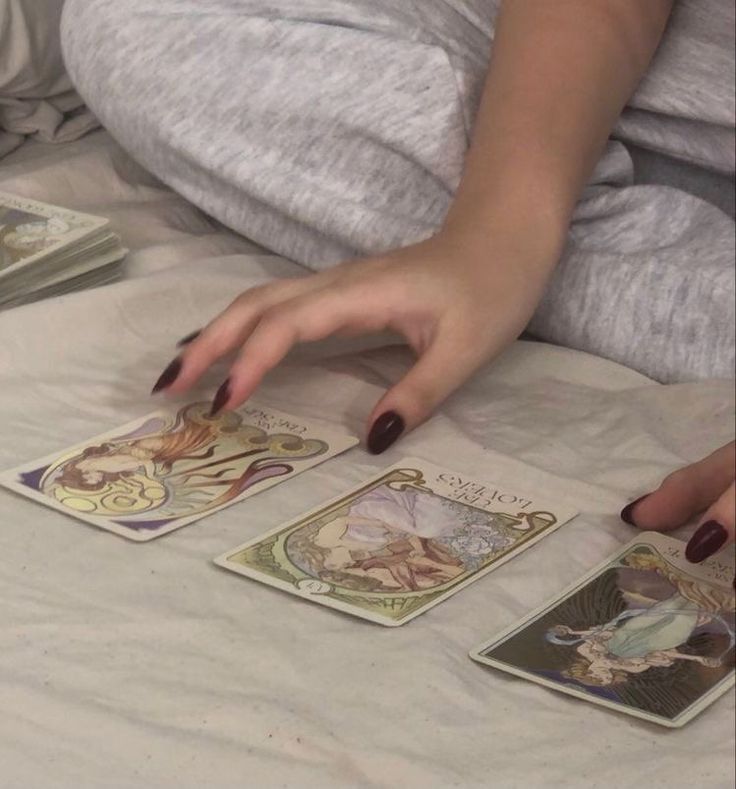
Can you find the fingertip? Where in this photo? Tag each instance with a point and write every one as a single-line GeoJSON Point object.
{"type": "Point", "coordinates": [221, 399]}
{"type": "Point", "coordinates": [628, 514]}
{"type": "Point", "coordinates": [385, 432]}
{"type": "Point", "coordinates": [240, 384]}
{"type": "Point", "coordinates": [710, 538]}
{"type": "Point", "coordinates": [190, 338]}
{"type": "Point", "coordinates": [168, 376]}
{"type": "Point", "coordinates": [186, 375]}
{"type": "Point", "coordinates": [716, 529]}
{"type": "Point", "coordinates": [664, 510]}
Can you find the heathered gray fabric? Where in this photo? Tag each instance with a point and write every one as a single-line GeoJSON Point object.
{"type": "Point", "coordinates": [324, 129]}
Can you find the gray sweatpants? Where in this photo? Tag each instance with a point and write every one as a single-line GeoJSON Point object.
{"type": "Point", "coordinates": [324, 129]}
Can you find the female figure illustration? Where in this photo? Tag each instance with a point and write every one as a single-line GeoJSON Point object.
{"type": "Point", "coordinates": [646, 637]}
{"type": "Point", "coordinates": [390, 541]}
{"type": "Point", "coordinates": [149, 456]}
{"type": "Point", "coordinates": [23, 234]}
{"type": "Point", "coordinates": [193, 465]}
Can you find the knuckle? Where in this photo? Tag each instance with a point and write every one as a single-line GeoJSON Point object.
{"type": "Point", "coordinates": [242, 300]}
{"type": "Point", "coordinates": [213, 342]}
{"type": "Point", "coordinates": [358, 296]}
{"type": "Point", "coordinates": [279, 321]}
{"type": "Point", "coordinates": [274, 316]}
{"type": "Point", "coordinates": [252, 296]}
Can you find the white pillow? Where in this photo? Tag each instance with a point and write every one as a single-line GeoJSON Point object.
{"type": "Point", "coordinates": [36, 96]}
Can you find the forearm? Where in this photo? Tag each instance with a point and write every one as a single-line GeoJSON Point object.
{"type": "Point", "coordinates": [559, 76]}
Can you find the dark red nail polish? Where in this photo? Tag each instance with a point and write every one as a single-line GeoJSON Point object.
{"type": "Point", "coordinates": [385, 431]}
{"type": "Point", "coordinates": [189, 338]}
{"type": "Point", "coordinates": [706, 541]}
{"type": "Point", "coordinates": [221, 397]}
{"type": "Point", "coordinates": [627, 511]}
{"type": "Point", "coordinates": [168, 376]}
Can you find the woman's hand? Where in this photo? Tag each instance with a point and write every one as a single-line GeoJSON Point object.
{"type": "Point", "coordinates": [705, 488]}
{"type": "Point", "coordinates": [457, 308]}
{"type": "Point", "coordinates": [462, 296]}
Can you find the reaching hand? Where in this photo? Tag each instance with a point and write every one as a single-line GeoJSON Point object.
{"type": "Point", "coordinates": [705, 488]}
{"type": "Point", "coordinates": [455, 308]}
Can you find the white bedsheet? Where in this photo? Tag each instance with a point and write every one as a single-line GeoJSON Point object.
{"type": "Point", "coordinates": [127, 665]}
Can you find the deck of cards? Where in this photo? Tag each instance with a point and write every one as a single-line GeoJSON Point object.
{"type": "Point", "coordinates": [646, 633]}
{"type": "Point", "coordinates": [46, 251]}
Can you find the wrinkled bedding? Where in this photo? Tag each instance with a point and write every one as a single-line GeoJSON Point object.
{"type": "Point", "coordinates": [36, 95]}
{"type": "Point", "coordinates": [128, 665]}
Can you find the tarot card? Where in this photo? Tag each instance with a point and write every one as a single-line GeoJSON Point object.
{"type": "Point", "coordinates": [399, 544]}
{"type": "Point", "coordinates": [646, 633]}
{"type": "Point", "coordinates": [173, 467]}
{"type": "Point", "coordinates": [30, 230]}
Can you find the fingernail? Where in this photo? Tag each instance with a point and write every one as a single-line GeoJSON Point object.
{"type": "Point", "coordinates": [222, 396]}
{"type": "Point", "coordinates": [627, 511]}
{"type": "Point", "coordinates": [168, 376]}
{"type": "Point", "coordinates": [706, 541]}
{"type": "Point", "coordinates": [189, 338]}
{"type": "Point", "coordinates": [385, 431]}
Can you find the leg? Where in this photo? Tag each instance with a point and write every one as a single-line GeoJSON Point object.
{"type": "Point", "coordinates": [647, 280]}
{"type": "Point", "coordinates": [323, 135]}
{"type": "Point", "coordinates": [318, 135]}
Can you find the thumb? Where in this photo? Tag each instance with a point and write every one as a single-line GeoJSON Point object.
{"type": "Point", "coordinates": [716, 529]}
{"type": "Point", "coordinates": [435, 376]}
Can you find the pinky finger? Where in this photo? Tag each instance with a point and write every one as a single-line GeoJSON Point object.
{"type": "Point", "coordinates": [716, 529]}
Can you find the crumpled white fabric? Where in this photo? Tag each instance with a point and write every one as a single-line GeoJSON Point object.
{"type": "Point", "coordinates": [128, 665]}
{"type": "Point", "coordinates": [36, 95]}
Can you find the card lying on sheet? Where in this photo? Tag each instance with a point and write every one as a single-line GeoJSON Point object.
{"type": "Point", "coordinates": [174, 467]}
{"type": "Point", "coordinates": [399, 544]}
{"type": "Point", "coordinates": [646, 633]}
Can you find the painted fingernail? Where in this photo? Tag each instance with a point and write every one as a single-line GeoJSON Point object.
{"type": "Point", "coordinates": [189, 338]}
{"type": "Point", "coordinates": [221, 397]}
{"type": "Point", "coordinates": [168, 376]}
{"type": "Point", "coordinates": [628, 510]}
{"type": "Point", "coordinates": [385, 431]}
{"type": "Point", "coordinates": [706, 541]}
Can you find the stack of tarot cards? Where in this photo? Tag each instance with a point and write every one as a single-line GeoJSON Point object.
{"type": "Point", "coordinates": [47, 251]}
{"type": "Point", "coordinates": [646, 633]}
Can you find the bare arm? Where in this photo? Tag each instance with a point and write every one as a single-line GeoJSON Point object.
{"type": "Point", "coordinates": [559, 76]}
{"type": "Point", "coordinates": [560, 73]}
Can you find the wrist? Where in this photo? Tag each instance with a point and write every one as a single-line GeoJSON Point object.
{"type": "Point", "coordinates": [525, 235]}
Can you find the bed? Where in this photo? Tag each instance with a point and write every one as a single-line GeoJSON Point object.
{"type": "Point", "coordinates": [126, 664]}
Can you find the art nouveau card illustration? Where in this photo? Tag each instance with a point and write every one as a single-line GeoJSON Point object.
{"type": "Point", "coordinates": [175, 466]}
{"type": "Point", "coordinates": [646, 633]}
{"type": "Point", "coordinates": [399, 544]}
{"type": "Point", "coordinates": [29, 230]}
